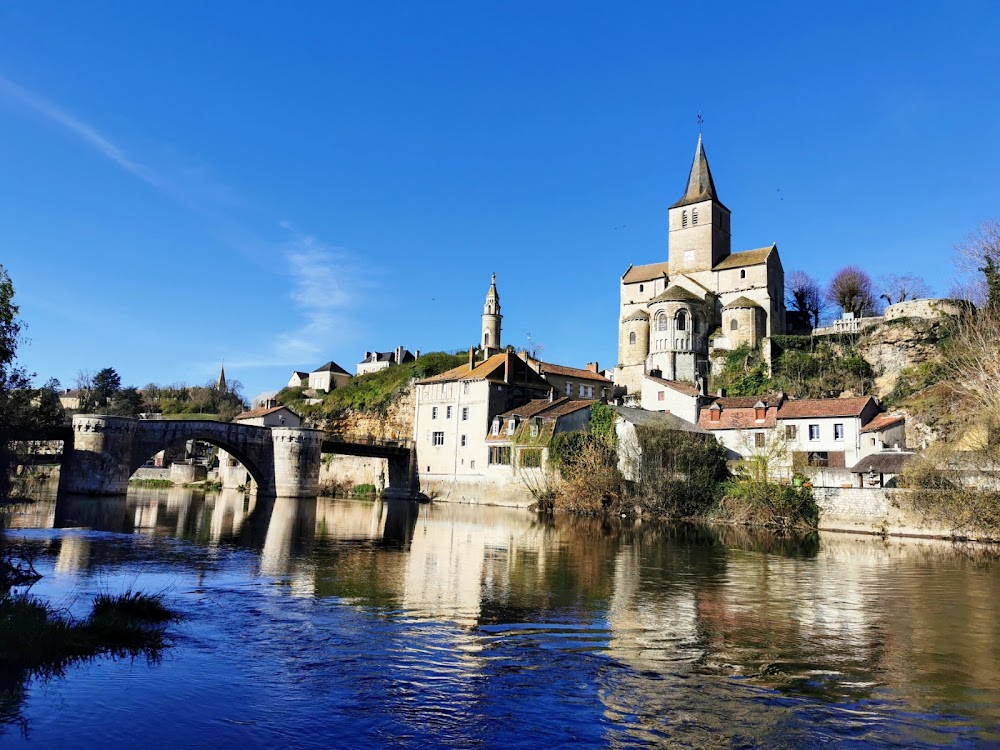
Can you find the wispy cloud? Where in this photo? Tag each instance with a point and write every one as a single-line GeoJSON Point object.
{"type": "Point", "coordinates": [327, 285]}
{"type": "Point", "coordinates": [80, 129]}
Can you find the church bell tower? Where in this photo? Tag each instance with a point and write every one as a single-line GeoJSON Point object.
{"type": "Point", "coordinates": [491, 321]}
{"type": "Point", "coordinates": [699, 223]}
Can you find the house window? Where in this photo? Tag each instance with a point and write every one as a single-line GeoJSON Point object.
{"type": "Point", "coordinates": [447, 412]}
{"type": "Point", "coordinates": [631, 339]}
{"type": "Point", "coordinates": [814, 432]}
{"type": "Point", "coordinates": [838, 432]}
{"type": "Point", "coordinates": [465, 413]}
{"type": "Point", "coordinates": [660, 395]}
{"type": "Point", "coordinates": [734, 325]}
{"type": "Point", "coordinates": [437, 438]}
{"type": "Point", "coordinates": [681, 321]}
{"type": "Point", "coordinates": [694, 216]}
{"type": "Point", "coordinates": [472, 464]}
{"type": "Point", "coordinates": [465, 388]}
{"type": "Point", "coordinates": [465, 440]}
{"type": "Point", "coordinates": [714, 415]}
{"type": "Point", "coordinates": [499, 455]}
{"type": "Point", "coordinates": [511, 424]}
{"type": "Point", "coordinates": [684, 218]}
{"type": "Point", "coordinates": [791, 432]}
{"type": "Point", "coordinates": [531, 458]}
{"type": "Point", "coordinates": [569, 389]}
{"type": "Point", "coordinates": [496, 426]}
{"type": "Point", "coordinates": [434, 412]}
{"type": "Point", "coordinates": [758, 439]}
{"type": "Point", "coordinates": [818, 458]}
{"type": "Point", "coordinates": [743, 273]}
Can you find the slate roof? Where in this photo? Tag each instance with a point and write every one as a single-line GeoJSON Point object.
{"type": "Point", "coordinates": [493, 369]}
{"type": "Point", "coordinates": [686, 388]}
{"type": "Point", "coordinates": [648, 272]}
{"type": "Point", "coordinates": [387, 357]}
{"type": "Point", "coordinates": [746, 258]}
{"type": "Point", "coordinates": [802, 408]}
{"type": "Point", "coordinates": [643, 418]}
{"type": "Point", "coordinates": [883, 462]}
{"type": "Point", "coordinates": [676, 293]}
{"type": "Point", "coordinates": [333, 367]}
{"type": "Point", "coordinates": [883, 422]}
{"type": "Point", "coordinates": [700, 185]}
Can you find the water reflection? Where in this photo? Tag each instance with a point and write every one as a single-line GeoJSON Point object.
{"type": "Point", "coordinates": [679, 634]}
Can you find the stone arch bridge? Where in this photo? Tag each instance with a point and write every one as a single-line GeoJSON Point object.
{"type": "Point", "coordinates": [104, 451]}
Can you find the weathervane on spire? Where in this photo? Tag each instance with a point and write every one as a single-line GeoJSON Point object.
{"type": "Point", "coordinates": [701, 121]}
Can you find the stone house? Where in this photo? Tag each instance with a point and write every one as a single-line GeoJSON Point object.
{"type": "Point", "coordinates": [272, 416]}
{"type": "Point", "coordinates": [375, 361]}
{"type": "Point", "coordinates": [882, 468]}
{"type": "Point", "coordinates": [70, 398]}
{"type": "Point", "coordinates": [520, 438]}
{"type": "Point", "coordinates": [328, 377]}
{"type": "Point", "coordinates": [672, 397]}
{"type": "Point", "coordinates": [703, 297]}
{"type": "Point", "coordinates": [629, 423]}
{"type": "Point", "coordinates": [573, 382]}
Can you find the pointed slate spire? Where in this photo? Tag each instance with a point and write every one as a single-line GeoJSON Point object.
{"type": "Point", "coordinates": [221, 382]}
{"type": "Point", "coordinates": [700, 186]}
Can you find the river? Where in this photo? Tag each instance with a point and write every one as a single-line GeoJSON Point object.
{"type": "Point", "coordinates": [340, 623]}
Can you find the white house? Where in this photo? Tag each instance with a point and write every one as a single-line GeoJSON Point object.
{"type": "Point", "coordinates": [629, 444]}
{"type": "Point", "coordinates": [329, 376]}
{"type": "Point", "coordinates": [375, 361]}
{"type": "Point", "coordinates": [672, 397]}
{"type": "Point", "coordinates": [274, 416]}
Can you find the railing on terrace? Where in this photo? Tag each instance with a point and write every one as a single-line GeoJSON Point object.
{"type": "Point", "coordinates": [847, 325]}
{"type": "Point", "coordinates": [369, 439]}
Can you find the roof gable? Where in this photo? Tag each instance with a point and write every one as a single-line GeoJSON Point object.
{"type": "Point", "coordinates": [746, 258]}
{"type": "Point", "coordinates": [648, 272]}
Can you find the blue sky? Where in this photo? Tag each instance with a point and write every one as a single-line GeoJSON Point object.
{"type": "Point", "coordinates": [277, 185]}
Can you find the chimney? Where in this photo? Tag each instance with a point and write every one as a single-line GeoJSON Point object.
{"type": "Point", "coordinates": [591, 367]}
{"type": "Point", "coordinates": [702, 385]}
{"type": "Point", "coordinates": [508, 366]}
{"type": "Point", "coordinates": [721, 393]}
{"type": "Point", "coordinates": [416, 354]}
{"type": "Point", "coordinates": [552, 395]}
{"type": "Point", "coordinates": [472, 357]}
{"type": "Point", "coordinates": [399, 355]}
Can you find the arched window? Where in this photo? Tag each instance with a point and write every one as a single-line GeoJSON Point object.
{"type": "Point", "coordinates": [743, 273]}
{"type": "Point", "coordinates": [684, 218]}
{"type": "Point", "coordinates": [486, 337]}
{"type": "Point", "coordinates": [694, 215]}
{"type": "Point", "coordinates": [696, 324]}
{"type": "Point", "coordinates": [681, 321]}
{"type": "Point", "coordinates": [734, 325]}
{"type": "Point", "coordinates": [631, 338]}
{"type": "Point", "coordinates": [661, 322]}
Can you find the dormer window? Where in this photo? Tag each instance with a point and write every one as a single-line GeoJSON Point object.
{"type": "Point", "coordinates": [496, 427]}
{"type": "Point", "coordinates": [715, 413]}
{"type": "Point", "coordinates": [511, 424]}
{"type": "Point", "coordinates": [536, 425]}
{"type": "Point", "coordinates": [684, 218]}
{"type": "Point", "coordinates": [694, 215]}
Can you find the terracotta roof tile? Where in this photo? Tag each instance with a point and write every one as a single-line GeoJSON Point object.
{"type": "Point", "coordinates": [823, 407]}
{"type": "Point", "coordinates": [746, 258]}
{"type": "Point", "coordinates": [884, 421]}
{"type": "Point", "coordinates": [494, 370]}
{"type": "Point", "coordinates": [262, 411]}
{"type": "Point", "coordinates": [686, 388]}
{"type": "Point", "coordinates": [648, 272]}
{"type": "Point", "coordinates": [572, 372]}
{"type": "Point", "coordinates": [743, 417]}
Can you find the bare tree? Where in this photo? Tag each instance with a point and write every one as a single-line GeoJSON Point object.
{"type": "Point", "coordinates": [895, 288]}
{"type": "Point", "coordinates": [974, 362]}
{"type": "Point", "coordinates": [803, 294]}
{"type": "Point", "coordinates": [851, 290]}
{"type": "Point", "coordinates": [978, 260]}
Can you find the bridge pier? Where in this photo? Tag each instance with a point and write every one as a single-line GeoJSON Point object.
{"type": "Point", "coordinates": [100, 461]}
{"type": "Point", "coordinates": [399, 483]}
{"type": "Point", "coordinates": [297, 454]}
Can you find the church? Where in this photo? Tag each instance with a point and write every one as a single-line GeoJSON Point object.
{"type": "Point", "coordinates": [703, 298]}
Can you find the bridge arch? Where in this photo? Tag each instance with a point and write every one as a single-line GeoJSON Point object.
{"type": "Point", "coordinates": [145, 450]}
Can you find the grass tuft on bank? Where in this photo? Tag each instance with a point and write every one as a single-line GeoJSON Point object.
{"type": "Point", "coordinates": [38, 639]}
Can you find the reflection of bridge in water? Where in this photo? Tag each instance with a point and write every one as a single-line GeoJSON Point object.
{"type": "Point", "coordinates": [101, 453]}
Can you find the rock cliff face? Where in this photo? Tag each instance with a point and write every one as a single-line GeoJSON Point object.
{"type": "Point", "coordinates": [394, 424]}
{"type": "Point", "coordinates": [893, 347]}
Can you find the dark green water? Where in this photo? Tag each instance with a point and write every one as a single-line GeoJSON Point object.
{"type": "Point", "coordinates": [335, 623]}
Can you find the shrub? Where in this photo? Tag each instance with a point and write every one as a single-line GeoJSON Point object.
{"type": "Point", "coordinates": [363, 491]}
{"type": "Point", "coordinates": [762, 503]}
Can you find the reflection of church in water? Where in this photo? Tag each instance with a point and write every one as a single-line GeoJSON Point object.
{"type": "Point", "coordinates": [703, 297]}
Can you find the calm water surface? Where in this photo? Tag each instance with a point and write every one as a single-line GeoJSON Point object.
{"type": "Point", "coordinates": [334, 623]}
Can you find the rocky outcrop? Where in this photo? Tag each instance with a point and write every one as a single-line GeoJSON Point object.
{"type": "Point", "coordinates": [394, 423]}
{"type": "Point", "coordinates": [892, 347]}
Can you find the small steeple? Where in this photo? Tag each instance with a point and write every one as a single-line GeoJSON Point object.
{"type": "Point", "coordinates": [492, 306]}
{"type": "Point", "coordinates": [220, 384]}
{"type": "Point", "coordinates": [700, 186]}
{"type": "Point", "coordinates": [491, 320]}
